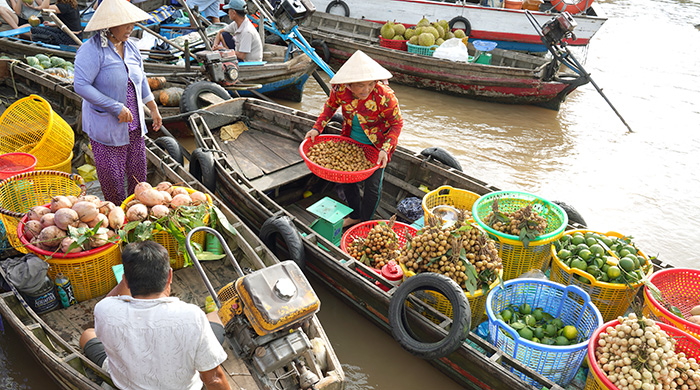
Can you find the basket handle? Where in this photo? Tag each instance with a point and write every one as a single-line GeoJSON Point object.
{"type": "Point", "coordinates": [446, 189]}
{"type": "Point", "coordinates": [77, 179]}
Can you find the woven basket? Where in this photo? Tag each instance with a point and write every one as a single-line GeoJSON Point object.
{"type": "Point", "coordinates": [29, 125]}
{"type": "Point", "coordinates": [680, 287]}
{"type": "Point", "coordinates": [21, 192]}
{"type": "Point", "coordinates": [396, 44]}
{"type": "Point", "coordinates": [448, 196]}
{"type": "Point", "coordinates": [371, 153]}
{"type": "Point", "coordinates": [422, 50]}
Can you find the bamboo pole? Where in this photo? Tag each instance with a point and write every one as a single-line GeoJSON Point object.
{"type": "Point", "coordinates": [62, 26]}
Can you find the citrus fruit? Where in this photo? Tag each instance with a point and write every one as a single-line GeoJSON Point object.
{"type": "Point", "coordinates": [557, 323]}
{"type": "Point", "coordinates": [580, 264]}
{"type": "Point", "coordinates": [607, 241]}
{"type": "Point", "coordinates": [538, 314]}
{"type": "Point", "coordinates": [561, 340]}
{"type": "Point", "coordinates": [627, 264]}
{"type": "Point", "coordinates": [624, 252]}
{"type": "Point", "coordinates": [550, 330]}
{"type": "Point", "coordinates": [526, 333]}
{"type": "Point", "coordinates": [507, 315]}
{"type": "Point", "coordinates": [525, 309]}
{"type": "Point", "coordinates": [591, 241]}
{"type": "Point", "coordinates": [564, 254]}
{"type": "Point", "coordinates": [539, 332]}
{"type": "Point", "coordinates": [596, 249]}
{"type": "Point", "coordinates": [578, 240]}
{"type": "Point", "coordinates": [585, 254]}
{"type": "Point", "coordinates": [570, 332]}
{"type": "Point", "coordinates": [530, 320]}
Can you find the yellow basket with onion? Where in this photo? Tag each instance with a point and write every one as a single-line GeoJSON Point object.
{"type": "Point", "coordinates": [177, 257]}
{"type": "Point", "coordinates": [21, 192]}
{"type": "Point", "coordinates": [612, 299]}
{"type": "Point", "coordinates": [31, 126]}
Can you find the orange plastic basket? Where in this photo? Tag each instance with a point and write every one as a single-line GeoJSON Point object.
{"type": "Point", "coordinates": [21, 192]}
{"type": "Point", "coordinates": [612, 299]}
{"type": "Point", "coordinates": [597, 380]}
{"type": "Point", "coordinates": [90, 272]}
{"type": "Point", "coordinates": [680, 287]}
{"type": "Point", "coordinates": [30, 125]}
{"type": "Point", "coordinates": [403, 232]}
{"type": "Point", "coordinates": [177, 257]}
{"type": "Point", "coordinates": [371, 153]}
{"type": "Point", "coordinates": [15, 163]}
{"type": "Point", "coordinates": [64, 166]}
{"type": "Point", "coordinates": [397, 44]}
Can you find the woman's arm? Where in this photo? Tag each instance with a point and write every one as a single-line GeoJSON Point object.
{"type": "Point", "coordinates": [329, 109]}
{"type": "Point", "coordinates": [16, 6]}
{"type": "Point", "coordinates": [392, 113]}
{"type": "Point", "coordinates": [87, 67]}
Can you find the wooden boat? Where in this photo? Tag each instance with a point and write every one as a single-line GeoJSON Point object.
{"type": "Point", "coordinates": [509, 27]}
{"type": "Point", "coordinates": [278, 76]}
{"type": "Point", "coordinates": [512, 77]}
{"type": "Point", "coordinates": [52, 338]}
{"type": "Point", "coordinates": [261, 175]}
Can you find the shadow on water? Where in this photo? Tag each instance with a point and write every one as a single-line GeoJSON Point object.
{"type": "Point", "coordinates": [18, 370]}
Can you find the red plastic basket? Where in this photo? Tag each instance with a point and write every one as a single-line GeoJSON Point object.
{"type": "Point", "coordinates": [15, 163]}
{"type": "Point", "coordinates": [596, 377]}
{"type": "Point", "coordinates": [397, 44]}
{"type": "Point", "coordinates": [403, 231]}
{"type": "Point", "coordinates": [371, 153]}
{"type": "Point", "coordinates": [681, 288]}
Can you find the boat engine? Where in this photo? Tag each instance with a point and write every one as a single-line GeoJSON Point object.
{"type": "Point", "coordinates": [220, 65]}
{"type": "Point", "coordinates": [559, 28]}
{"type": "Point", "coordinates": [290, 13]}
{"type": "Point", "coordinates": [263, 313]}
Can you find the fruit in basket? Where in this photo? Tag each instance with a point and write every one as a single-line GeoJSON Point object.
{"type": "Point", "coordinates": [137, 212]}
{"type": "Point", "coordinates": [31, 229]}
{"type": "Point", "coordinates": [538, 326]}
{"type": "Point", "coordinates": [694, 319]}
{"type": "Point", "coordinates": [410, 32]}
{"type": "Point", "coordinates": [638, 354]}
{"type": "Point", "coordinates": [398, 38]}
{"type": "Point", "coordinates": [399, 29]}
{"type": "Point", "coordinates": [339, 156]}
{"type": "Point", "coordinates": [116, 218]}
{"type": "Point", "coordinates": [66, 217]}
{"type": "Point", "coordinates": [525, 223]}
{"type": "Point", "coordinates": [695, 311]}
{"type": "Point", "coordinates": [36, 212]}
{"type": "Point", "coordinates": [423, 22]}
{"type": "Point", "coordinates": [426, 39]}
{"type": "Point", "coordinates": [606, 259]}
{"type": "Point", "coordinates": [475, 265]}
{"type": "Point", "coordinates": [460, 34]}
{"type": "Point", "coordinates": [387, 30]}
{"type": "Point", "coordinates": [378, 247]}
{"type": "Point", "coordinates": [413, 40]}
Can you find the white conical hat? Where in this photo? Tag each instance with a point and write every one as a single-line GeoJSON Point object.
{"type": "Point", "coordinates": [113, 13]}
{"type": "Point", "coordinates": [360, 67]}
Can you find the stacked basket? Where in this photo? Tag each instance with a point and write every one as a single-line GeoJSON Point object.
{"type": "Point", "coordinates": [397, 44]}
{"type": "Point", "coordinates": [679, 287]}
{"type": "Point", "coordinates": [30, 126]}
{"type": "Point", "coordinates": [517, 258]}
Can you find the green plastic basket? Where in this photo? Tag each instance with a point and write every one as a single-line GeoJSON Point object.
{"type": "Point", "coordinates": [422, 50]}
{"type": "Point", "coordinates": [517, 258]}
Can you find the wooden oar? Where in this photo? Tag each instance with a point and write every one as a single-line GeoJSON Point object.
{"type": "Point", "coordinates": [62, 26]}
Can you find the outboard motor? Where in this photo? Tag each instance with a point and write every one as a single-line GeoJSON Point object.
{"type": "Point", "coordinates": [559, 28]}
{"type": "Point", "coordinates": [220, 65]}
{"type": "Point", "coordinates": [289, 13]}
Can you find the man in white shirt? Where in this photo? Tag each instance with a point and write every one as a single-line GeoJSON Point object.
{"type": "Point", "coordinates": [240, 35]}
{"type": "Point", "coordinates": [149, 340]}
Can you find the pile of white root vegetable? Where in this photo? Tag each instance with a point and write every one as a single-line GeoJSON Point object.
{"type": "Point", "coordinates": [157, 202]}
{"type": "Point", "coordinates": [637, 354]}
{"type": "Point", "coordinates": [47, 227]}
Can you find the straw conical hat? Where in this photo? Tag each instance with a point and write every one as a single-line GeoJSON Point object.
{"type": "Point", "coordinates": [360, 67]}
{"type": "Point", "coordinates": [113, 13]}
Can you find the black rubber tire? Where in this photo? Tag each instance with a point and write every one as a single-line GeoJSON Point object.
{"type": "Point", "coordinates": [341, 3]}
{"type": "Point", "coordinates": [464, 21]}
{"type": "Point", "coordinates": [284, 228]}
{"type": "Point", "coordinates": [321, 49]}
{"type": "Point", "coordinates": [571, 212]}
{"type": "Point", "coordinates": [174, 149]}
{"type": "Point", "coordinates": [443, 156]}
{"type": "Point", "coordinates": [202, 168]}
{"type": "Point", "coordinates": [461, 320]}
{"type": "Point", "coordinates": [190, 96]}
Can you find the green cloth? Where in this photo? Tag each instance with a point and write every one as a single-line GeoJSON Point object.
{"type": "Point", "coordinates": [357, 133]}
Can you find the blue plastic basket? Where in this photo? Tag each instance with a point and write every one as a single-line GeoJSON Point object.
{"type": "Point", "coordinates": [570, 303]}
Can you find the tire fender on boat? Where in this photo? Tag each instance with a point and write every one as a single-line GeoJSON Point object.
{"type": "Point", "coordinates": [172, 147]}
{"type": "Point", "coordinates": [461, 320]}
{"type": "Point", "coordinates": [571, 212]}
{"type": "Point", "coordinates": [462, 20]}
{"type": "Point", "coordinates": [321, 49]}
{"type": "Point", "coordinates": [572, 8]}
{"type": "Point", "coordinates": [202, 168]}
{"type": "Point", "coordinates": [443, 156]}
{"type": "Point", "coordinates": [284, 228]}
{"type": "Point", "coordinates": [338, 3]}
{"type": "Point", "coordinates": [190, 96]}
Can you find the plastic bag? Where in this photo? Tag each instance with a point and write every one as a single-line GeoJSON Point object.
{"type": "Point", "coordinates": [452, 49]}
{"type": "Point", "coordinates": [26, 273]}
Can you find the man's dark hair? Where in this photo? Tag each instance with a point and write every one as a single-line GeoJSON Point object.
{"type": "Point", "coordinates": [146, 267]}
{"type": "Point", "coordinates": [240, 13]}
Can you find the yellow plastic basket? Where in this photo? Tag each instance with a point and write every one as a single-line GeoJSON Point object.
{"type": "Point", "coordinates": [517, 259]}
{"type": "Point", "coordinates": [477, 303]}
{"type": "Point", "coordinates": [64, 166]}
{"type": "Point", "coordinates": [91, 276]}
{"type": "Point", "coordinates": [612, 299]}
{"type": "Point", "coordinates": [177, 258]}
{"type": "Point", "coordinates": [449, 196]}
{"type": "Point", "coordinates": [30, 125]}
{"type": "Point", "coordinates": [21, 192]}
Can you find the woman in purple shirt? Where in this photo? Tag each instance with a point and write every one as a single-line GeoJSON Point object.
{"type": "Point", "coordinates": [109, 76]}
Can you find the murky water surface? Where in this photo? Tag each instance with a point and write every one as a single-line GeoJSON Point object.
{"type": "Point", "coordinates": [644, 184]}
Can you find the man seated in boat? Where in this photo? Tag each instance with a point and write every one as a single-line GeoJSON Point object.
{"type": "Point", "coordinates": [149, 340]}
{"type": "Point", "coordinates": [240, 35]}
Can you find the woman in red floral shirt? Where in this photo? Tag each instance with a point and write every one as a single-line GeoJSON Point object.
{"type": "Point", "coordinates": [371, 115]}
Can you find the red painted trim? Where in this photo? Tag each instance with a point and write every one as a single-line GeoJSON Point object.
{"type": "Point", "coordinates": [466, 374]}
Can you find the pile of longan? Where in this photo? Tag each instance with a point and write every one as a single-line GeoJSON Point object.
{"type": "Point", "coordinates": [511, 223]}
{"type": "Point", "coordinates": [378, 247]}
{"type": "Point", "coordinates": [339, 156]}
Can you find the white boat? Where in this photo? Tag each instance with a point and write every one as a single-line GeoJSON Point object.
{"type": "Point", "coordinates": [510, 28]}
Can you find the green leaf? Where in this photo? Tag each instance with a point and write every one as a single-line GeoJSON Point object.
{"type": "Point", "coordinates": [206, 256]}
{"type": "Point", "coordinates": [676, 311]}
{"type": "Point", "coordinates": [219, 218]}
{"type": "Point", "coordinates": [143, 231]}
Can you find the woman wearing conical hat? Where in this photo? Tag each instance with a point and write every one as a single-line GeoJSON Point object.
{"type": "Point", "coordinates": [109, 76]}
{"type": "Point", "coordinates": [371, 116]}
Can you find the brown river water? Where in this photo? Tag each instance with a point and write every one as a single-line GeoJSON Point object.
{"type": "Point", "coordinates": [645, 184]}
